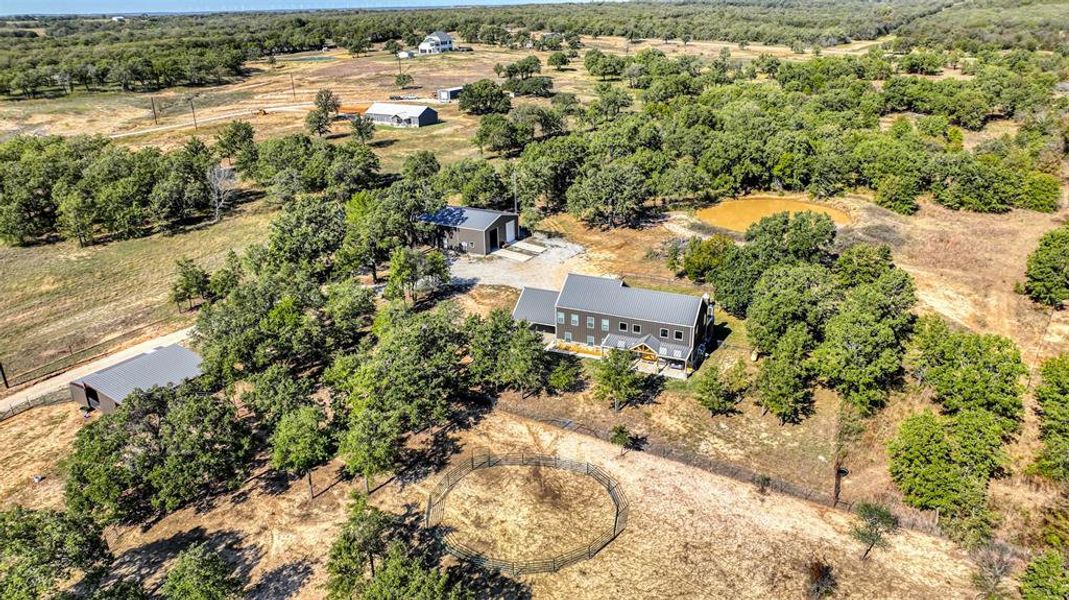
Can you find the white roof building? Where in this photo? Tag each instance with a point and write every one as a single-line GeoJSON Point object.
{"type": "Point", "coordinates": [401, 115]}
{"type": "Point", "coordinates": [436, 43]}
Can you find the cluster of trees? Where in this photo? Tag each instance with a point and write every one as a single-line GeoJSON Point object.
{"type": "Point", "coordinates": [82, 188]}
{"type": "Point", "coordinates": [990, 25]}
{"type": "Point", "coordinates": [365, 539]}
{"type": "Point", "coordinates": [42, 549]}
{"type": "Point", "coordinates": [844, 319]}
{"type": "Point", "coordinates": [705, 132]}
{"type": "Point", "coordinates": [159, 450]}
{"type": "Point", "coordinates": [1047, 271]}
{"type": "Point", "coordinates": [149, 52]}
{"type": "Point", "coordinates": [944, 461]}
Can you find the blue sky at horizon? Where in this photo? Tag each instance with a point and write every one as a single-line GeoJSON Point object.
{"type": "Point", "coordinates": [114, 7]}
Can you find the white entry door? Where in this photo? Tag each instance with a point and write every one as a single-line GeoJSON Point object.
{"type": "Point", "coordinates": [510, 231]}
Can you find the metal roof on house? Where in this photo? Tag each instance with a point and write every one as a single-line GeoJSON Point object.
{"type": "Point", "coordinates": [607, 296]}
{"type": "Point", "coordinates": [163, 366]}
{"type": "Point", "coordinates": [463, 217]}
{"type": "Point", "coordinates": [661, 347]}
{"type": "Point", "coordinates": [441, 35]}
{"type": "Point", "coordinates": [536, 306]}
{"type": "Point", "coordinates": [400, 110]}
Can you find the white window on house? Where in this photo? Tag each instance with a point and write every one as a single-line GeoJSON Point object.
{"type": "Point", "coordinates": [664, 332]}
{"type": "Point", "coordinates": [589, 340]}
{"type": "Point", "coordinates": [623, 326]}
{"type": "Point", "coordinates": [560, 318]}
{"type": "Point", "coordinates": [575, 320]}
{"type": "Point", "coordinates": [567, 336]}
{"type": "Point", "coordinates": [679, 334]}
{"type": "Point", "coordinates": [604, 324]}
{"type": "Point", "coordinates": [590, 322]}
{"type": "Point", "coordinates": [636, 328]}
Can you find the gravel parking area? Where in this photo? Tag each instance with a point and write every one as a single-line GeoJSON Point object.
{"type": "Point", "coordinates": [547, 270]}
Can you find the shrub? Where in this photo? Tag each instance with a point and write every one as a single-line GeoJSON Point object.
{"type": "Point", "coordinates": [200, 574]}
{"type": "Point", "coordinates": [1045, 578]}
{"type": "Point", "coordinates": [1047, 273]}
{"type": "Point", "coordinates": [718, 391]}
{"type": "Point", "coordinates": [1052, 395]}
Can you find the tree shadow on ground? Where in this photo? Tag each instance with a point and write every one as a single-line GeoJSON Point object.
{"type": "Point", "coordinates": [149, 559]}
{"type": "Point", "coordinates": [483, 583]}
{"type": "Point", "coordinates": [284, 581]}
{"type": "Point", "coordinates": [650, 390]}
{"type": "Point", "coordinates": [443, 444]}
{"type": "Point", "coordinates": [488, 584]}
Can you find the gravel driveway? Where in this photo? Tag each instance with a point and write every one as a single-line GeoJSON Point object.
{"type": "Point", "coordinates": [547, 270]}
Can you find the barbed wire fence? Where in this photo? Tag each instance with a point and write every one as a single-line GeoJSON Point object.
{"type": "Point", "coordinates": [484, 459]}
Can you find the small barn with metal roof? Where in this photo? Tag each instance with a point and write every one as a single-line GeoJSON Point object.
{"type": "Point", "coordinates": [473, 230]}
{"type": "Point", "coordinates": [401, 115]}
{"type": "Point", "coordinates": [166, 366]}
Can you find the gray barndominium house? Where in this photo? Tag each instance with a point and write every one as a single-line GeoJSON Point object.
{"type": "Point", "coordinates": [473, 230]}
{"type": "Point", "coordinates": [165, 366]}
{"type": "Point", "coordinates": [668, 333]}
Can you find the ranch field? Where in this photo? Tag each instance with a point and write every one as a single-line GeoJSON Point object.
{"type": "Point", "coordinates": [67, 298]}
{"type": "Point", "coordinates": [690, 534]}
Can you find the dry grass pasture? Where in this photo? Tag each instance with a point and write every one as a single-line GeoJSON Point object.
{"type": "Point", "coordinates": [59, 296]}
{"type": "Point", "coordinates": [690, 534]}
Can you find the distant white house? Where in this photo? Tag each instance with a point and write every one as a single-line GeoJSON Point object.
{"type": "Point", "coordinates": [406, 54]}
{"type": "Point", "coordinates": [118, 19]}
{"type": "Point", "coordinates": [401, 115]}
{"type": "Point", "coordinates": [436, 43]}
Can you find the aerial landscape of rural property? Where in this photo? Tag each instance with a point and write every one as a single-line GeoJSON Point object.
{"type": "Point", "coordinates": [639, 299]}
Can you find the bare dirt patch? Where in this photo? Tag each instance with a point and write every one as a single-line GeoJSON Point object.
{"type": "Point", "coordinates": [526, 512]}
{"type": "Point", "coordinates": [33, 444]}
{"type": "Point", "coordinates": [738, 215]}
{"type": "Point", "coordinates": [690, 534]}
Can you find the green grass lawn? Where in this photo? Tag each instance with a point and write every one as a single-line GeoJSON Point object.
{"type": "Point", "coordinates": [59, 296]}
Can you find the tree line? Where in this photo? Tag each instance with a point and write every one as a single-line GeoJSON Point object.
{"type": "Point", "coordinates": [87, 188]}
{"type": "Point", "coordinates": [706, 130]}
{"type": "Point", "coordinates": [154, 51]}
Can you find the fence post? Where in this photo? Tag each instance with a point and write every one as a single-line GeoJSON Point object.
{"type": "Point", "coordinates": [4, 375]}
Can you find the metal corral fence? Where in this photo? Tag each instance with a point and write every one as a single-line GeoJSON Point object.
{"type": "Point", "coordinates": [918, 520]}
{"type": "Point", "coordinates": [486, 460]}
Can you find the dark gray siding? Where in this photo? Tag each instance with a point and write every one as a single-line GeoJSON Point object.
{"type": "Point", "coordinates": [473, 241]}
{"type": "Point", "coordinates": [428, 117]}
{"type": "Point", "coordinates": [581, 331]}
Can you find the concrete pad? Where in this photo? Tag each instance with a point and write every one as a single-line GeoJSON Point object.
{"type": "Point", "coordinates": [528, 247]}
{"type": "Point", "coordinates": [511, 255]}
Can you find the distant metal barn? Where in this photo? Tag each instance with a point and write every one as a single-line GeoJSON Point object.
{"type": "Point", "coordinates": [166, 366]}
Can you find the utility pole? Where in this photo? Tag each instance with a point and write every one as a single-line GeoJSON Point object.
{"type": "Point", "coordinates": [155, 116]}
{"type": "Point", "coordinates": [194, 110]}
{"type": "Point", "coordinates": [293, 87]}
